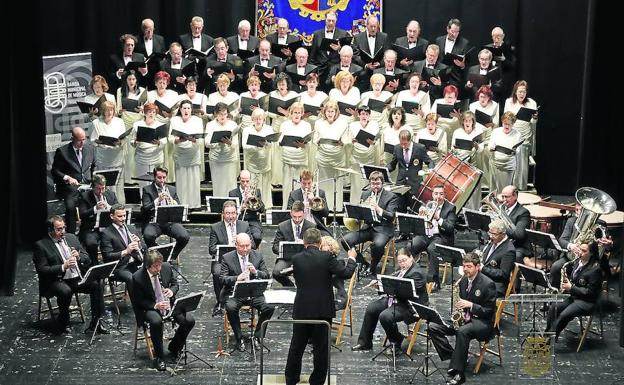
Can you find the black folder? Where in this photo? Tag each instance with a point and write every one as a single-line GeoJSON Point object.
{"type": "Point", "coordinates": [218, 136]}
{"type": "Point", "coordinates": [196, 53]}
{"type": "Point", "coordinates": [505, 150]}
{"type": "Point", "coordinates": [86, 107]}
{"type": "Point", "coordinates": [186, 135]}
{"type": "Point", "coordinates": [444, 110]}
{"type": "Point", "coordinates": [409, 106]}
{"type": "Point", "coordinates": [464, 144]}
{"type": "Point", "coordinates": [314, 110]}
{"type": "Point", "coordinates": [111, 140]}
{"type": "Point", "coordinates": [362, 137]}
{"type": "Point", "coordinates": [428, 73]}
{"type": "Point", "coordinates": [449, 57]}
{"type": "Point", "coordinates": [376, 57]}
{"type": "Point", "coordinates": [163, 108]}
{"type": "Point", "coordinates": [245, 54]}
{"type": "Point", "coordinates": [261, 69]}
{"type": "Point", "coordinates": [189, 70]}
{"type": "Point", "coordinates": [377, 105]}
{"type": "Point", "coordinates": [134, 66]}
{"type": "Point", "coordinates": [274, 103]}
{"type": "Point", "coordinates": [256, 140]}
{"type": "Point", "coordinates": [148, 134]}
{"type": "Point", "coordinates": [428, 143]}
{"type": "Point", "coordinates": [389, 148]}
{"type": "Point", "coordinates": [290, 140]}
{"type": "Point", "coordinates": [276, 49]}
{"type": "Point", "coordinates": [155, 56]}
{"type": "Point", "coordinates": [414, 53]}
{"type": "Point", "coordinates": [496, 51]}
{"type": "Point", "coordinates": [482, 118]}
{"type": "Point", "coordinates": [478, 80]}
{"type": "Point", "coordinates": [343, 108]}
{"type": "Point", "coordinates": [525, 114]}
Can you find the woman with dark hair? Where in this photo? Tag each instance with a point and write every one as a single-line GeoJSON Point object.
{"type": "Point", "coordinates": [198, 99]}
{"type": "Point", "coordinates": [486, 112]}
{"type": "Point", "coordinates": [99, 87]}
{"type": "Point", "coordinates": [283, 91]}
{"type": "Point", "coordinates": [360, 153]}
{"type": "Point", "coordinates": [224, 157]}
{"type": "Point", "coordinates": [504, 144]}
{"type": "Point", "coordinates": [415, 116]}
{"type": "Point", "coordinates": [448, 123]}
{"type": "Point", "coordinates": [462, 137]}
{"type": "Point", "coordinates": [130, 97]}
{"type": "Point", "coordinates": [390, 135]}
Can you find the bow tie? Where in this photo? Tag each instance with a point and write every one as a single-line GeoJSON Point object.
{"type": "Point", "coordinates": [372, 36]}
{"type": "Point", "coordinates": [197, 37]}
{"type": "Point", "coordinates": [244, 39]}
{"type": "Point", "coordinates": [128, 56]}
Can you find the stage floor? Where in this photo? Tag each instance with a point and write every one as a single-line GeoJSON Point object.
{"type": "Point", "coordinates": [31, 355]}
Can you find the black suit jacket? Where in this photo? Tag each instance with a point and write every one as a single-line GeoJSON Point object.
{"type": "Point", "coordinates": [165, 65]}
{"type": "Point", "coordinates": [360, 43]}
{"type": "Point", "coordinates": [285, 233]}
{"type": "Point", "coordinates": [354, 69]}
{"type": "Point", "coordinates": [449, 220]}
{"type": "Point", "coordinates": [587, 282]}
{"type": "Point", "coordinates": [495, 80]}
{"type": "Point", "coordinates": [49, 262]}
{"type": "Point", "coordinates": [85, 208]}
{"type": "Point", "coordinates": [249, 215]}
{"type": "Point", "coordinates": [219, 236]}
{"type": "Point", "coordinates": [482, 295]}
{"type": "Point", "coordinates": [186, 41]}
{"type": "Point", "coordinates": [230, 270]}
{"type": "Point", "coordinates": [408, 173]}
{"type": "Point", "coordinates": [521, 218]}
{"type": "Point", "coordinates": [320, 57]}
{"type": "Point", "coordinates": [499, 265]}
{"type": "Point", "coordinates": [143, 294]}
{"type": "Point", "coordinates": [150, 193]}
{"type": "Point", "coordinates": [252, 43]}
{"type": "Point", "coordinates": [313, 270]}
{"type": "Point", "coordinates": [421, 46]}
{"type": "Point", "coordinates": [420, 282]}
{"type": "Point", "coordinates": [158, 44]}
{"type": "Point", "coordinates": [398, 72]}
{"type": "Point", "coordinates": [291, 70]}
{"type": "Point", "coordinates": [66, 163]}
{"type": "Point", "coordinates": [456, 75]}
{"type": "Point", "coordinates": [389, 203]}
{"type": "Point", "coordinates": [266, 84]}
{"type": "Point", "coordinates": [117, 62]}
{"type": "Point", "coordinates": [112, 244]}
{"type": "Point", "coordinates": [297, 195]}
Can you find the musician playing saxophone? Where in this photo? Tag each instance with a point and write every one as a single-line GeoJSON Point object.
{"type": "Point", "coordinates": [440, 230]}
{"type": "Point", "coordinates": [156, 194]}
{"type": "Point", "coordinates": [246, 193]}
{"type": "Point", "coordinates": [583, 284]}
{"type": "Point", "coordinates": [314, 201]}
{"type": "Point", "coordinates": [477, 295]}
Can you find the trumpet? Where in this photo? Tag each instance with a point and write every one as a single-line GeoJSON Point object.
{"type": "Point", "coordinates": [428, 211]}
{"type": "Point", "coordinates": [101, 203]}
{"type": "Point", "coordinates": [165, 197]}
{"type": "Point", "coordinates": [316, 203]}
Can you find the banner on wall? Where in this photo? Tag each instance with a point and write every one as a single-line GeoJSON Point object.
{"type": "Point", "coordinates": [306, 16]}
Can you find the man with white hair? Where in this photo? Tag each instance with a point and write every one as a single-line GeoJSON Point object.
{"type": "Point", "coordinates": [412, 40]}
{"type": "Point", "coordinates": [344, 64]}
{"type": "Point", "coordinates": [367, 44]}
{"type": "Point", "coordinates": [300, 69]}
{"type": "Point", "coordinates": [394, 75]}
{"type": "Point", "coordinates": [281, 38]}
{"type": "Point", "coordinates": [196, 39]}
{"type": "Point", "coordinates": [243, 39]}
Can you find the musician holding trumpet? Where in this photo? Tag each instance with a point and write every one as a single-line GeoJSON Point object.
{"type": "Point", "coordinates": [313, 198]}
{"type": "Point", "coordinates": [252, 206]}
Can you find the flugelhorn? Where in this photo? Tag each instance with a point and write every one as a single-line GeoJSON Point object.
{"type": "Point", "coordinates": [165, 196]}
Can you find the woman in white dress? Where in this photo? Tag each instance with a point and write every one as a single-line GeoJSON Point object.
{"type": "Point", "coordinates": [489, 107]}
{"type": "Point", "coordinates": [390, 135]}
{"type": "Point", "coordinates": [362, 154]}
{"type": "Point", "coordinates": [468, 133]}
{"type": "Point", "coordinates": [198, 99]}
{"type": "Point", "coordinates": [168, 98]}
{"type": "Point", "coordinates": [448, 125]}
{"type": "Point", "coordinates": [504, 144]}
{"type": "Point", "coordinates": [148, 155]}
{"type": "Point", "coordinates": [224, 156]}
{"type": "Point", "coordinates": [132, 96]}
{"type": "Point", "coordinates": [520, 98]}
{"type": "Point", "coordinates": [283, 91]}
{"type": "Point", "coordinates": [99, 87]}
{"type": "Point", "coordinates": [415, 116]}
{"type": "Point", "coordinates": [330, 135]}
{"type": "Point", "coordinates": [258, 158]}
{"type": "Point", "coordinates": [253, 92]}
{"type": "Point", "coordinates": [377, 82]}
{"type": "Point", "coordinates": [187, 153]}
{"type": "Point", "coordinates": [106, 155]}
{"type": "Point", "coordinates": [313, 98]}
{"type": "Point", "coordinates": [295, 159]}
{"type": "Point", "coordinates": [432, 132]}
{"type": "Point", "coordinates": [345, 92]}
{"type": "Point", "coordinates": [224, 95]}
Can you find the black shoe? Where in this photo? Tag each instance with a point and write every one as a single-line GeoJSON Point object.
{"type": "Point", "coordinates": [451, 372]}
{"type": "Point", "coordinates": [159, 364]}
{"type": "Point", "coordinates": [240, 346]}
{"type": "Point", "coordinates": [457, 379]}
{"type": "Point", "coordinates": [217, 310]}
{"type": "Point", "coordinates": [435, 288]}
{"type": "Point", "coordinates": [361, 348]}
{"type": "Point", "coordinates": [175, 352]}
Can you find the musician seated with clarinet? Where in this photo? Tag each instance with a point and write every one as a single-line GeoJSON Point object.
{"type": "Point", "coordinates": [252, 206]}
{"type": "Point", "coordinates": [60, 262]}
{"type": "Point", "coordinates": [474, 301]}
{"type": "Point", "coordinates": [440, 220]}
{"type": "Point", "coordinates": [499, 255]}
{"type": "Point", "coordinates": [121, 242]}
{"type": "Point", "coordinates": [314, 200]}
{"type": "Point", "coordinates": [157, 194]}
{"type": "Point", "coordinates": [388, 310]}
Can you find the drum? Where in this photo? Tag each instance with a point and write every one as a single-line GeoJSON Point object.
{"type": "Point", "coordinates": [525, 198]}
{"type": "Point", "coordinates": [615, 228]}
{"type": "Point", "coordinates": [458, 178]}
{"type": "Point", "coordinates": [546, 219]}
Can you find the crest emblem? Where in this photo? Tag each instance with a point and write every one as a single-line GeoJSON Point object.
{"type": "Point", "coordinates": [493, 263]}
{"type": "Point", "coordinates": [416, 162]}
{"type": "Point", "coordinates": [317, 9]}
{"type": "Point", "coordinates": [582, 282]}
{"type": "Point", "coordinates": [478, 293]}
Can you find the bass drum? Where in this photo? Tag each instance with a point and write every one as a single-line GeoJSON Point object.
{"type": "Point", "coordinates": [459, 179]}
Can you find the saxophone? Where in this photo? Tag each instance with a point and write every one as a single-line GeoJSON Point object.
{"type": "Point", "coordinates": [457, 317]}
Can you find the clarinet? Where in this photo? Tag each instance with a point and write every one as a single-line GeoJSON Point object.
{"type": "Point", "coordinates": [138, 254]}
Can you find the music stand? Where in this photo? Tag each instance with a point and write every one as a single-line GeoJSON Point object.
{"type": "Point", "coordinates": [478, 221]}
{"type": "Point", "coordinates": [170, 214]}
{"type": "Point", "coordinates": [287, 249]}
{"type": "Point", "coordinates": [186, 304]}
{"type": "Point", "coordinates": [275, 217]}
{"type": "Point", "coordinates": [111, 175]}
{"type": "Point", "coordinates": [538, 278]}
{"type": "Point", "coordinates": [166, 250]}
{"type": "Point", "coordinates": [246, 290]}
{"type": "Point", "coordinates": [335, 179]}
{"type": "Point", "coordinates": [98, 273]}
{"type": "Point", "coordinates": [428, 314]}
{"type": "Point", "coordinates": [367, 169]}
{"type": "Point", "coordinates": [361, 212]}
{"type": "Point", "coordinates": [103, 219]}
{"type": "Point", "coordinates": [396, 288]}
{"type": "Point", "coordinates": [215, 204]}
{"type": "Point", "coordinates": [410, 224]}
{"type": "Point", "coordinates": [544, 240]}
{"type": "Point", "coordinates": [450, 255]}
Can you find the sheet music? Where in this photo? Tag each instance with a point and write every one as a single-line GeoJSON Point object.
{"type": "Point", "coordinates": [278, 297]}
{"type": "Point", "coordinates": [181, 299]}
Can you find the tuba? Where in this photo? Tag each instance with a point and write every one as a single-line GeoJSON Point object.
{"type": "Point", "coordinates": [491, 205]}
{"type": "Point", "coordinates": [594, 203]}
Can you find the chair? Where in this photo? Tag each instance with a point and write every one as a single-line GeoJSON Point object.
{"type": "Point", "coordinates": [445, 266]}
{"type": "Point", "coordinates": [250, 324]}
{"type": "Point", "coordinates": [501, 302]}
{"type": "Point", "coordinates": [415, 330]}
{"type": "Point", "coordinates": [584, 330]}
{"type": "Point", "coordinates": [143, 326]}
{"type": "Point", "coordinates": [389, 252]}
{"type": "Point", "coordinates": [347, 309]}
{"type": "Point", "coordinates": [77, 308]}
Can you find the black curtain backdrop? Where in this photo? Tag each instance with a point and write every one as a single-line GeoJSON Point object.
{"type": "Point", "coordinates": [573, 148]}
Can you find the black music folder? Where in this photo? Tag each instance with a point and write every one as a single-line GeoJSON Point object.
{"type": "Point", "coordinates": [389, 148]}
{"type": "Point", "coordinates": [196, 53]}
{"type": "Point", "coordinates": [261, 141]}
{"type": "Point", "coordinates": [449, 57]}
{"type": "Point", "coordinates": [525, 114]}
{"type": "Point", "coordinates": [372, 58]}
{"type": "Point", "coordinates": [274, 103]}
{"type": "Point", "coordinates": [261, 69]}
{"type": "Point", "coordinates": [113, 141]}
{"type": "Point", "coordinates": [148, 134]}
{"type": "Point", "coordinates": [134, 66]}
{"type": "Point", "coordinates": [409, 106]}
{"type": "Point", "coordinates": [156, 57]}
{"type": "Point", "coordinates": [410, 224]}
{"type": "Point", "coordinates": [507, 151]}
{"type": "Point", "coordinates": [342, 106]}
{"type": "Point", "coordinates": [464, 144]}
{"type": "Point", "coordinates": [287, 249]}
{"type": "Point", "coordinates": [325, 43]}
{"type": "Point", "coordinates": [415, 53]}
{"type": "Point", "coordinates": [428, 143]}
{"type": "Point", "coordinates": [496, 51]}
{"type": "Point", "coordinates": [313, 110]}
{"type": "Point", "coordinates": [363, 136]}
{"type": "Point", "coordinates": [186, 135]}
{"type": "Point", "coordinates": [170, 214]}
{"type": "Point", "coordinates": [219, 136]}
{"type": "Point", "coordinates": [85, 107]}
{"type": "Point", "coordinates": [276, 49]}
{"type": "Point", "coordinates": [377, 105]}
{"type": "Point", "coordinates": [393, 77]}
{"type": "Point", "coordinates": [234, 64]}
{"type": "Point", "coordinates": [428, 73]}
{"type": "Point", "coordinates": [478, 80]}
{"type": "Point", "coordinates": [110, 174]}
{"type": "Point", "coordinates": [246, 103]}
{"type": "Point", "coordinates": [445, 110]}
{"type": "Point", "coordinates": [189, 70]}
{"type": "Point", "coordinates": [291, 140]}
{"type": "Point", "coordinates": [482, 118]}
{"type": "Point", "coordinates": [164, 108]}
{"type": "Point", "coordinates": [246, 54]}
{"type": "Point", "coordinates": [128, 104]}
{"type": "Point", "coordinates": [215, 204]}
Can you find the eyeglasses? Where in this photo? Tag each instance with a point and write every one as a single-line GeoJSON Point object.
{"type": "Point", "coordinates": [493, 233]}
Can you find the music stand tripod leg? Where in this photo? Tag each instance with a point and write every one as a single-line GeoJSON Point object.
{"type": "Point", "coordinates": [424, 367]}
{"type": "Point", "coordinates": [184, 356]}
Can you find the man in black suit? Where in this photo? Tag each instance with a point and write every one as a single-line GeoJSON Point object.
{"type": "Point", "coordinates": [345, 63]}
{"type": "Point", "coordinates": [520, 218]}
{"type": "Point", "coordinates": [379, 232]}
{"type": "Point", "coordinates": [477, 307]}
{"type": "Point", "coordinates": [196, 38]}
{"type": "Point", "coordinates": [148, 44]}
{"type": "Point", "coordinates": [411, 40]}
{"type": "Point", "coordinates": [73, 165]}
{"type": "Point", "coordinates": [251, 215]}
{"type": "Point", "coordinates": [243, 40]}
{"type": "Point", "coordinates": [174, 66]}
{"type": "Point", "coordinates": [60, 262]}
{"type": "Point", "coordinates": [485, 72]}
{"type": "Point", "coordinates": [121, 242]}
{"type": "Point", "coordinates": [159, 194]}
{"type": "Point", "coordinates": [440, 230]}
{"type": "Point", "coordinates": [290, 230]}
{"type": "Point", "coordinates": [367, 44]}
{"type": "Point", "coordinates": [98, 199]}
{"type": "Point", "coordinates": [119, 61]}
{"type": "Point", "coordinates": [409, 156]}
{"type": "Point", "coordinates": [320, 57]}
{"type": "Point", "coordinates": [455, 44]}
{"type": "Point", "coordinates": [224, 233]}
{"type": "Point", "coordinates": [395, 76]}
{"type": "Point", "coordinates": [499, 256]}
{"type": "Point", "coordinates": [429, 67]}
{"type": "Point", "coordinates": [584, 279]}
{"type": "Point", "coordinates": [313, 271]}
{"type": "Point", "coordinates": [244, 264]}
{"type": "Point", "coordinates": [221, 62]}
{"type": "Point", "coordinates": [315, 207]}
{"type": "Point", "coordinates": [154, 287]}
{"type": "Point", "coordinates": [282, 37]}
{"type": "Point", "coordinates": [300, 70]}
{"type": "Point", "coordinates": [264, 59]}
{"type": "Point", "coordinates": [388, 310]}
{"type": "Point", "coordinates": [504, 56]}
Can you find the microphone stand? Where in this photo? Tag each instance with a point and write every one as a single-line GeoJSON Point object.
{"type": "Point", "coordinates": [334, 224]}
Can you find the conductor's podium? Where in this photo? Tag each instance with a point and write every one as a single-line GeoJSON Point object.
{"type": "Point", "coordinates": [280, 379]}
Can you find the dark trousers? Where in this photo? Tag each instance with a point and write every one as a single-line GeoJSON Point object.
{"type": "Point", "coordinates": [388, 317]}
{"type": "Point", "coordinates": [475, 329]}
{"type": "Point", "coordinates": [215, 267]}
{"type": "Point", "coordinates": [91, 241]}
{"type": "Point", "coordinates": [555, 272]}
{"type": "Point", "coordinates": [63, 290]}
{"type": "Point", "coordinates": [421, 243]}
{"type": "Point", "coordinates": [560, 314]}
{"type": "Point", "coordinates": [174, 230]}
{"type": "Point", "coordinates": [256, 232]}
{"type": "Point", "coordinates": [71, 196]}
{"type": "Point", "coordinates": [377, 248]}
{"type": "Point", "coordinates": [232, 307]}
{"type": "Point", "coordinates": [301, 334]}
{"type": "Point", "coordinates": [185, 323]}
{"type": "Point", "coordinates": [281, 264]}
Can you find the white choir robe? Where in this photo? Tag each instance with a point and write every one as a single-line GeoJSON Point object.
{"type": "Point", "coordinates": [187, 157]}
{"type": "Point", "coordinates": [484, 158]}
{"type": "Point", "coordinates": [224, 159]}
{"type": "Point", "coordinates": [361, 154]}
{"type": "Point", "coordinates": [170, 97]}
{"type": "Point", "coordinates": [438, 136]}
{"type": "Point", "coordinates": [276, 122]}
{"type": "Point", "coordinates": [258, 162]}
{"type": "Point", "coordinates": [329, 156]}
{"type": "Point", "coordinates": [503, 165]}
{"type": "Point", "coordinates": [422, 98]}
{"type": "Point", "coordinates": [471, 156]}
{"type": "Point", "coordinates": [111, 156]}
{"type": "Point", "coordinates": [527, 131]}
{"type": "Point", "coordinates": [446, 124]}
{"type": "Point", "coordinates": [316, 101]}
{"type": "Point", "coordinates": [294, 160]}
{"type": "Point", "coordinates": [147, 155]}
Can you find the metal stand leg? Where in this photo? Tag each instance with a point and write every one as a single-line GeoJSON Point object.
{"type": "Point", "coordinates": [425, 367]}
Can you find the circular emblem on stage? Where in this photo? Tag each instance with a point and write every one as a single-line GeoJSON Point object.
{"type": "Point", "coordinates": [478, 293]}
{"type": "Point", "coordinates": [582, 282]}
{"type": "Point", "coordinates": [493, 263]}
{"type": "Point", "coordinates": [317, 9]}
{"type": "Point", "coordinates": [416, 162]}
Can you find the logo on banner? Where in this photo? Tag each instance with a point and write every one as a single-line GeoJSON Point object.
{"type": "Point", "coordinates": [55, 92]}
{"type": "Point", "coordinates": [317, 9]}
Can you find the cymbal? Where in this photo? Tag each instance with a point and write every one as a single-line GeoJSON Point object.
{"type": "Point", "coordinates": [351, 171]}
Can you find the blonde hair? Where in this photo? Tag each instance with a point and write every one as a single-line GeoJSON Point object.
{"type": "Point", "coordinates": [330, 243]}
{"type": "Point", "coordinates": [332, 105]}
{"type": "Point", "coordinates": [223, 79]}
{"type": "Point", "coordinates": [295, 106]}
{"type": "Point", "coordinates": [377, 78]}
{"type": "Point", "coordinates": [343, 75]}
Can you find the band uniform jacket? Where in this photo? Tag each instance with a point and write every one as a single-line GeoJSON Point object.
{"type": "Point", "coordinates": [482, 295]}
{"type": "Point", "coordinates": [112, 244]}
{"type": "Point", "coordinates": [420, 283]}
{"type": "Point", "coordinates": [499, 265]}
{"type": "Point", "coordinates": [285, 233]}
{"type": "Point", "coordinates": [150, 193]}
{"type": "Point", "coordinates": [230, 270]}
{"type": "Point", "coordinates": [408, 172]}
{"type": "Point", "coordinates": [86, 205]}
{"type": "Point", "coordinates": [249, 215]}
{"type": "Point", "coordinates": [219, 235]}
{"type": "Point", "coordinates": [388, 202]}
{"type": "Point", "coordinates": [448, 215]}
{"type": "Point", "coordinates": [521, 217]}
{"type": "Point", "coordinates": [252, 43]}
{"type": "Point", "coordinates": [325, 58]}
{"type": "Point", "coordinates": [313, 270]}
{"type": "Point", "coordinates": [143, 290]}
{"type": "Point", "coordinates": [297, 195]}
{"type": "Point", "coordinates": [66, 163]}
{"type": "Point", "coordinates": [586, 283]}
{"type": "Point", "coordinates": [49, 262]}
